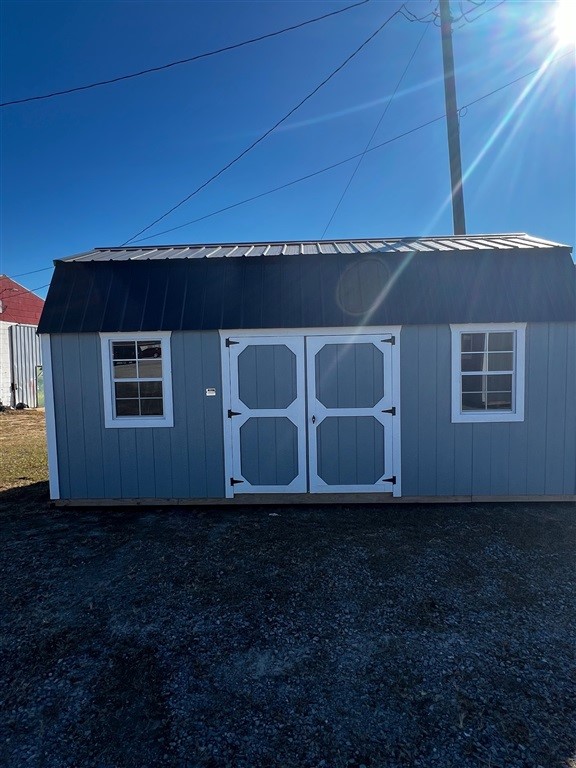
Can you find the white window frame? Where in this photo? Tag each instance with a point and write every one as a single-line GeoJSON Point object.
{"type": "Point", "coordinates": [111, 421]}
{"type": "Point", "coordinates": [518, 374]}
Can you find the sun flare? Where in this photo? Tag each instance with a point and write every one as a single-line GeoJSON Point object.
{"type": "Point", "coordinates": [565, 22]}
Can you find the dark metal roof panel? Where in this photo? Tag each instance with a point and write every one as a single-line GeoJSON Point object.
{"type": "Point", "coordinates": [324, 290]}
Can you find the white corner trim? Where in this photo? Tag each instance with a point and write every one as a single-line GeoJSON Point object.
{"type": "Point", "coordinates": [468, 417]}
{"type": "Point", "coordinates": [49, 408]}
{"type": "Point", "coordinates": [110, 420]}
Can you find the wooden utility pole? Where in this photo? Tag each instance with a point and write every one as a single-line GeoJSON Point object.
{"type": "Point", "coordinates": [452, 120]}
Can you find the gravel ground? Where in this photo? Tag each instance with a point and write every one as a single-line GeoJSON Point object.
{"type": "Point", "coordinates": [302, 637]}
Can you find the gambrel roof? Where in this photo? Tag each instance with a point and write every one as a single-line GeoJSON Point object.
{"type": "Point", "coordinates": [480, 278]}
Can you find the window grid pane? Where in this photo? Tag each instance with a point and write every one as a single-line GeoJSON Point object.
{"type": "Point", "coordinates": [487, 371]}
{"type": "Point", "coordinates": [137, 379]}
{"type": "Point", "coordinates": [124, 350]}
{"type": "Point", "coordinates": [149, 349]}
{"type": "Point", "coordinates": [501, 341]}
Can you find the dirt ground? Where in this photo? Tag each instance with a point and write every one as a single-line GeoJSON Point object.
{"type": "Point", "coordinates": [330, 637]}
{"type": "Point", "coordinates": [305, 637]}
{"type": "Point", "coordinates": [22, 448]}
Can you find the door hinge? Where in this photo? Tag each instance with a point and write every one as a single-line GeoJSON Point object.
{"type": "Point", "coordinates": [390, 480]}
{"type": "Point", "coordinates": [233, 481]}
{"type": "Point", "coordinates": [233, 413]}
{"type": "Point", "coordinates": [229, 342]}
{"type": "Point", "coordinates": [391, 340]}
{"type": "Point", "coordinates": [391, 411]}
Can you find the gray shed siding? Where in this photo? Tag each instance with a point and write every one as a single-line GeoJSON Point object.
{"type": "Point", "coordinates": [186, 461]}
{"type": "Point", "coordinates": [533, 457]}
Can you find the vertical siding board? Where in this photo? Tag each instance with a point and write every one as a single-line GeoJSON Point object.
{"type": "Point", "coordinates": [90, 377]}
{"type": "Point", "coordinates": [536, 401]}
{"type": "Point", "coordinates": [371, 459]}
{"type": "Point", "coordinates": [463, 456]}
{"type": "Point", "coordinates": [555, 411]}
{"type": "Point", "coordinates": [213, 415]}
{"type": "Point", "coordinates": [74, 399]}
{"type": "Point", "coordinates": [499, 459]}
{"type": "Point", "coordinates": [326, 359]}
{"type": "Point", "coordinates": [112, 470]}
{"type": "Point", "coordinates": [162, 453]}
{"type": "Point", "coordinates": [428, 395]}
{"type": "Point", "coordinates": [285, 373]}
{"type": "Point", "coordinates": [481, 462]}
{"type": "Point", "coordinates": [145, 463]}
{"type": "Point", "coordinates": [346, 364]}
{"type": "Point", "coordinates": [110, 443]}
{"type": "Point", "coordinates": [195, 433]}
{"type": "Point", "coordinates": [128, 451]}
{"type": "Point", "coordinates": [328, 434]}
{"type": "Point", "coordinates": [518, 461]}
{"type": "Point", "coordinates": [444, 428]}
{"type": "Point", "coordinates": [62, 441]}
{"type": "Point", "coordinates": [179, 436]}
{"type": "Point", "coordinates": [249, 451]}
{"type": "Point", "coordinates": [347, 437]}
{"type": "Point", "coordinates": [570, 413]}
{"type": "Point", "coordinates": [264, 367]}
{"type": "Point", "coordinates": [410, 409]}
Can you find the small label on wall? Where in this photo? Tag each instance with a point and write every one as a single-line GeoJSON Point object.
{"type": "Point", "coordinates": [210, 392]}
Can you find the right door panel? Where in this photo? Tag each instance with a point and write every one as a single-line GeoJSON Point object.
{"type": "Point", "coordinates": [350, 412]}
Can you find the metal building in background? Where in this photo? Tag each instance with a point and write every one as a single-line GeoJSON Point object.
{"type": "Point", "coordinates": [25, 362]}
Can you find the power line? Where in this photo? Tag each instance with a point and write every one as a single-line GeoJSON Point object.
{"type": "Point", "coordinates": [296, 181]}
{"type": "Point", "coordinates": [19, 293]}
{"type": "Point", "coordinates": [478, 15]}
{"type": "Point", "coordinates": [32, 272]}
{"type": "Point", "coordinates": [378, 124]}
{"type": "Point", "coordinates": [352, 157]}
{"type": "Point", "coordinates": [179, 62]}
{"type": "Point", "coordinates": [409, 16]}
{"type": "Point", "coordinates": [329, 167]}
{"type": "Point", "coordinates": [269, 131]}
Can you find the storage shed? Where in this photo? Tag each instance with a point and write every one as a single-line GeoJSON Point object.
{"type": "Point", "coordinates": [439, 368]}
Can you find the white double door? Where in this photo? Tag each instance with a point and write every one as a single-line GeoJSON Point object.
{"type": "Point", "coordinates": [311, 413]}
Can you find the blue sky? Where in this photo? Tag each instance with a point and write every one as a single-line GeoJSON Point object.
{"type": "Point", "coordinates": [95, 167]}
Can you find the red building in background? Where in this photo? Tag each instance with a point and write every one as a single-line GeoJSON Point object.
{"type": "Point", "coordinates": [20, 311]}
{"type": "Point", "coordinates": [18, 304]}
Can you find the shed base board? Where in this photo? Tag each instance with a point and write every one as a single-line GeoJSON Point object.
{"type": "Point", "coordinates": [307, 498]}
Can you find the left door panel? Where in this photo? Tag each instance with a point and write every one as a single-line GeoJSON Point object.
{"type": "Point", "coordinates": [267, 413]}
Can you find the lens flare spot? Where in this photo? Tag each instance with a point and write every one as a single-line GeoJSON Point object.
{"type": "Point", "coordinates": [565, 22]}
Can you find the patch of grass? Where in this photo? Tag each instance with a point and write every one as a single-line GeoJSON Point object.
{"type": "Point", "coordinates": [23, 458]}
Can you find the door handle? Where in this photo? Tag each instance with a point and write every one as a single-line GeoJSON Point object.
{"type": "Point", "coordinates": [313, 419]}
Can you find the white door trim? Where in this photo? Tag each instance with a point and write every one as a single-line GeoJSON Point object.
{"type": "Point", "coordinates": [295, 412]}
{"type": "Point", "coordinates": [371, 330]}
{"type": "Point", "coordinates": [392, 330]}
{"type": "Point", "coordinates": [317, 412]}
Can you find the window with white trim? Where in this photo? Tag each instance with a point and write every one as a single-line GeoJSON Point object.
{"type": "Point", "coordinates": [488, 372]}
{"type": "Point", "coordinates": [137, 379]}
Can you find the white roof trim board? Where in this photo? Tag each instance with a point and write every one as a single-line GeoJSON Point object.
{"type": "Point", "coordinates": [313, 248]}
